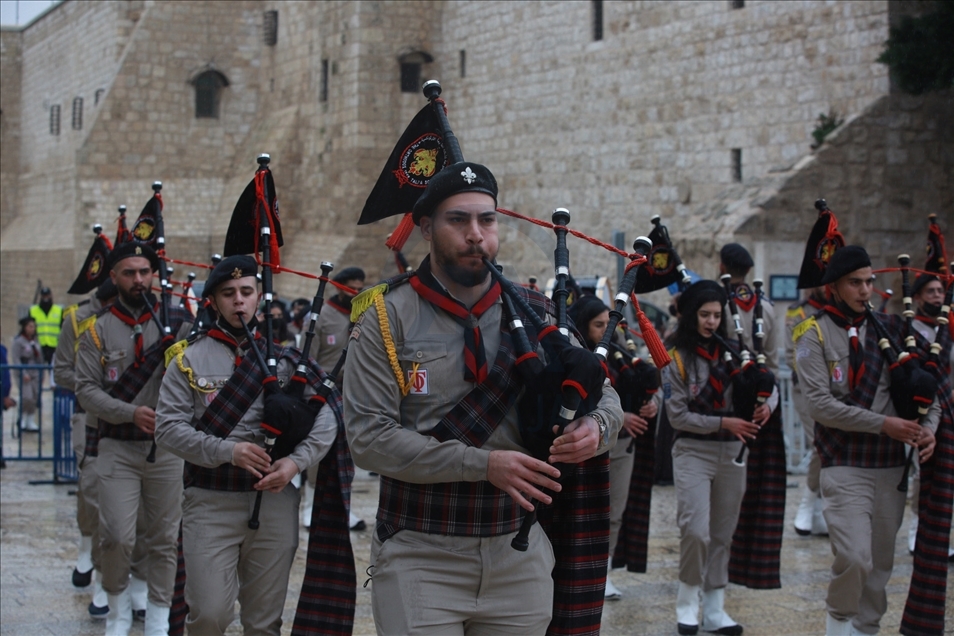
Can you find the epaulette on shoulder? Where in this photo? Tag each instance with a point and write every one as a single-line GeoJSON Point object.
{"type": "Point", "coordinates": [803, 327]}
{"type": "Point", "coordinates": [679, 363]}
{"type": "Point", "coordinates": [363, 301]}
{"type": "Point", "coordinates": [69, 311]}
{"type": "Point", "coordinates": [794, 311]}
{"type": "Point", "coordinates": [176, 350]}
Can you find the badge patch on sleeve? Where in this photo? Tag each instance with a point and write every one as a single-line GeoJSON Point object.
{"type": "Point", "coordinates": [418, 381]}
{"type": "Point", "coordinates": [330, 339]}
{"type": "Point", "coordinates": [837, 375]}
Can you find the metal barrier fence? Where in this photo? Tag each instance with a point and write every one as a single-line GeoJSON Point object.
{"type": "Point", "coordinates": [796, 454]}
{"type": "Point", "coordinates": [50, 441]}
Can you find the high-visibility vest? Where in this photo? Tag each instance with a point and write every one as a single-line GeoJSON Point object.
{"type": "Point", "coordinates": [47, 325]}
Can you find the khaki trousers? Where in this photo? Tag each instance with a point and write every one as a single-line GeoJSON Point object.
{"type": "Point", "coordinates": [863, 509]}
{"type": "Point", "coordinates": [709, 491]}
{"type": "Point", "coordinates": [128, 484]}
{"type": "Point", "coordinates": [451, 586]}
{"type": "Point", "coordinates": [225, 560]}
{"type": "Point", "coordinates": [621, 473]}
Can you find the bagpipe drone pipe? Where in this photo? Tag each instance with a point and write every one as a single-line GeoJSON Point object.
{"type": "Point", "coordinates": [752, 381]}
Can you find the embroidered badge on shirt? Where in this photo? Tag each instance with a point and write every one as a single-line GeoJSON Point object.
{"type": "Point", "coordinates": [112, 373]}
{"type": "Point", "coordinates": [838, 375]}
{"type": "Point", "coordinates": [331, 339]}
{"type": "Point", "coordinates": [418, 381]}
{"type": "Point", "coordinates": [693, 390]}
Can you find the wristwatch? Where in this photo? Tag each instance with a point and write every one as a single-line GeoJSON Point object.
{"type": "Point", "coordinates": [604, 430]}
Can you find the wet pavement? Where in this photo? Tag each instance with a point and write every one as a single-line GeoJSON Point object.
{"type": "Point", "coordinates": [38, 546]}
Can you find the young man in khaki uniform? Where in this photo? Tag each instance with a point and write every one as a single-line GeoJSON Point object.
{"type": "Point", "coordinates": [441, 555]}
{"type": "Point", "coordinates": [860, 440]}
{"type": "Point", "coordinates": [118, 372]}
{"type": "Point", "coordinates": [227, 467]}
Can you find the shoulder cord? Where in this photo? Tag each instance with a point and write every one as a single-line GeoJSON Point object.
{"type": "Point", "coordinates": [403, 385]}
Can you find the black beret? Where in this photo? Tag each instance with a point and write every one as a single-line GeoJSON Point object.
{"type": "Point", "coordinates": [230, 268]}
{"type": "Point", "coordinates": [26, 319]}
{"type": "Point", "coordinates": [349, 273]}
{"type": "Point", "coordinates": [734, 255]}
{"type": "Point", "coordinates": [45, 291]}
{"type": "Point", "coordinates": [463, 176]}
{"type": "Point", "coordinates": [698, 294]}
{"type": "Point", "coordinates": [921, 282]}
{"type": "Point", "coordinates": [844, 261]}
{"type": "Point", "coordinates": [130, 249]}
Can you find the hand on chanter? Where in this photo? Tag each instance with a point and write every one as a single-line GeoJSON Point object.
{"type": "Point", "coordinates": [634, 424]}
{"type": "Point", "coordinates": [761, 415]}
{"type": "Point", "coordinates": [278, 475]}
{"type": "Point", "coordinates": [742, 429]}
{"type": "Point", "coordinates": [522, 477]}
{"type": "Point", "coordinates": [251, 457]}
{"type": "Point", "coordinates": [580, 441]}
{"type": "Point", "coordinates": [926, 444]}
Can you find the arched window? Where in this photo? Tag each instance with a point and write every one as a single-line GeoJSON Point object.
{"type": "Point", "coordinates": [208, 93]}
{"type": "Point", "coordinates": [411, 64]}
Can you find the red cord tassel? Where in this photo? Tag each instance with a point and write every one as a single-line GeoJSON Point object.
{"type": "Point", "coordinates": [401, 233]}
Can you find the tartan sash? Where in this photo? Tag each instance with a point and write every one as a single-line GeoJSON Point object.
{"type": "Point", "coordinates": [326, 604]}
{"type": "Point", "coordinates": [92, 442]}
{"type": "Point", "coordinates": [864, 450]}
{"type": "Point", "coordinates": [633, 540]}
{"type": "Point", "coordinates": [924, 610]}
{"type": "Point", "coordinates": [460, 508]}
{"type": "Point", "coordinates": [136, 375]}
{"type": "Point", "coordinates": [754, 559]}
{"type": "Point", "coordinates": [711, 397]}
{"type": "Point", "coordinates": [227, 408]}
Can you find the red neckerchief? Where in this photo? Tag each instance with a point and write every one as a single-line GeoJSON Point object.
{"type": "Point", "coordinates": [120, 311]}
{"type": "Point", "coordinates": [715, 359]}
{"type": "Point", "coordinates": [931, 322]}
{"type": "Point", "coordinates": [475, 359]}
{"type": "Point", "coordinates": [333, 302]}
{"type": "Point", "coordinates": [817, 304]}
{"type": "Point", "coordinates": [745, 298]}
{"type": "Point", "coordinates": [856, 357]}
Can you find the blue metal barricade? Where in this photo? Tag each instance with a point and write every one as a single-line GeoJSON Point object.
{"type": "Point", "coordinates": [51, 441]}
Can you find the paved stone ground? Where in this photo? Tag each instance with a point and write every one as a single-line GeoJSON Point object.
{"type": "Point", "coordinates": [38, 542]}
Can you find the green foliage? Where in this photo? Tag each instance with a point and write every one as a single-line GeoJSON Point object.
{"type": "Point", "coordinates": [826, 124]}
{"type": "Point", "coordinates": [920, 51]}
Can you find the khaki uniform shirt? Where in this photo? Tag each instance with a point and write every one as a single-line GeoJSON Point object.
{"type": "Point", "coordinates": [183, 401]}
{"type": "Point", "coordinates": [98, 369]}
{"type": "Point", "coordinates": [384, 427]}
{"type": "Point", "coordinates": [681, 391]}
{"type": "Point", "coordinates": [331, 336]}
{"type": "Point", "coordinates": [64, 360]}
{"type": "Point", "coordinates": [823, 375]}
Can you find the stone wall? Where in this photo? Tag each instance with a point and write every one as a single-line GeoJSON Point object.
{"type": "Point", "coordinates": [642, 122]}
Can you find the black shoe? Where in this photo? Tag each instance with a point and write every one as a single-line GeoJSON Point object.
{"type": "Point", "coordinates": [361, 525]}
{"type": "Point", "coordinates": [687, 630]}
{"type": "Point", "coordinates": [802, 533]}
{"type": "Point", "coordinates": [82, 579]}
{"type": "Point", "coordinates": [139, 615]}
{"type": "Point", "coordinates": [98, 612]}
{"type": "Point", "coordinates": [731, 630]}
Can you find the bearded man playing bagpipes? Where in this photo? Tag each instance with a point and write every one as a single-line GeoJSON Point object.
{"type": "Point", "coordinates": [430, 394]}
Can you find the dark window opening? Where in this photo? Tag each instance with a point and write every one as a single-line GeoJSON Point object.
{"type": "Point", "coordinates": [55, 120]}
{"type": "Point", "coordinates": [411, 65]}
{"type": "Point", "coordinates": [597, 20]}
{"type": "Point", "coordinates": [323, 89]}
{"type": "Point", "coordinates": [270, 28]}
{"type": "Point", "coordinates": [98, 95]}
{"type": "Point", "coordinates": [208, 94]}
{"type": "Point", "coordinates": [736, 4]}
{"type": "Point", "coordinates": [410, 77]}
{"type": "Point", "coordinates": [463, 63]}
{"type": "Point", "coordinates": [77, 113]}
{"type": "Point", "coordinates": [737, 165]}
